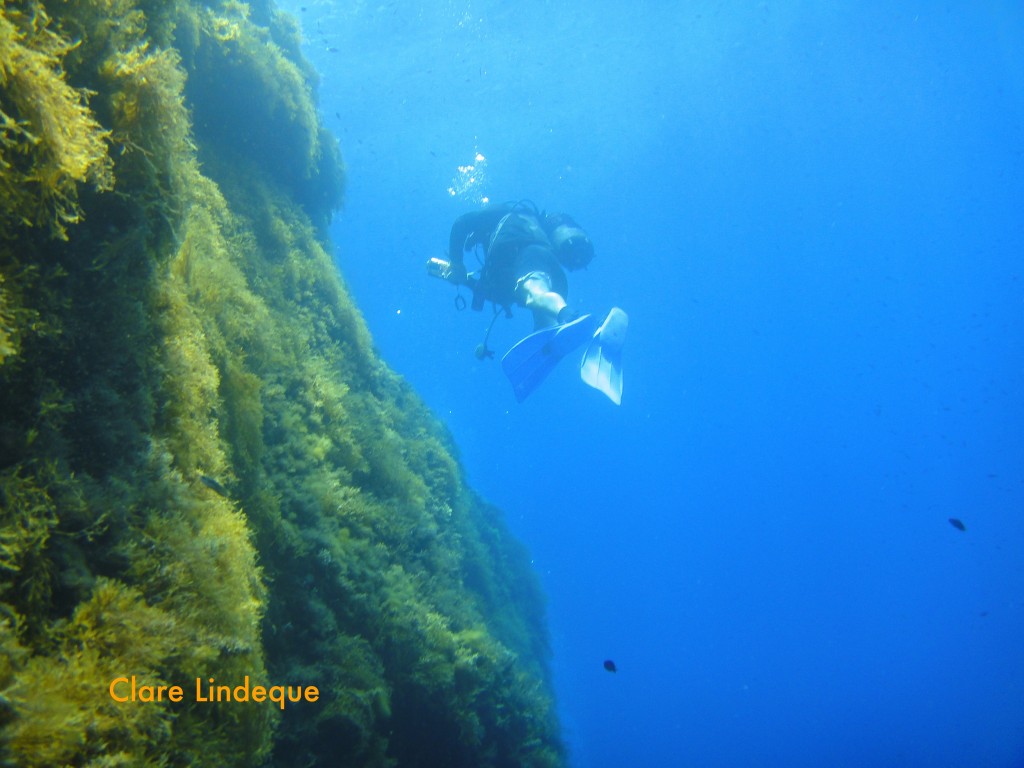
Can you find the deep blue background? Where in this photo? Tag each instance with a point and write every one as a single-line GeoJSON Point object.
{"type": "Point", "coordinates": [814, 215]}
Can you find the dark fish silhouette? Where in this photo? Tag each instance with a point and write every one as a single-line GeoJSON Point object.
{"type": "Point", "coordinates": [610, 665]}
{"type": "Point", "coordinates": [213, 485]}
{"type": "Point", "coordinates": [957, 524]}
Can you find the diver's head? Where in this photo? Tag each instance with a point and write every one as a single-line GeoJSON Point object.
{"type": "Point", "coordinates": [572, 246]}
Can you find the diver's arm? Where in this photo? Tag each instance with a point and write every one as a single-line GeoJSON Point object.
{"type": "Point", "coordinates": [472, 229]}
{"type": "Point", "coordinates": [461, 230]}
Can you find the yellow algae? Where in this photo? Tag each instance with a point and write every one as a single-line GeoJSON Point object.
{"type": "Point", "coordinates": [205, 470]}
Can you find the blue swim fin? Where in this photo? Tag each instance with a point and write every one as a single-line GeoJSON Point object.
{"type": "Point", "coordinates": [529, 362]}
{"type": "Point", "coordinates": [601, 367]}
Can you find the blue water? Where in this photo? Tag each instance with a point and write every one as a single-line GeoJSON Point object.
{"type": "Point", "coordinates": [814, 215]}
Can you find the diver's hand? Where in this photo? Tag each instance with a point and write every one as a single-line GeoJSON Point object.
{"type": "Point", "coordinates": [457, 274]}
{"type": "Point", "coordinates": [453, 273]}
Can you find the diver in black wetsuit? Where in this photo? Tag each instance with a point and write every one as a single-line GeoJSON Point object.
{"type": "Point", "coordinates": [523, 254]}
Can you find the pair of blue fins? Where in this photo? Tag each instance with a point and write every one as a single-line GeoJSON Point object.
{"type": "Point", "coordinates": [529, 362]}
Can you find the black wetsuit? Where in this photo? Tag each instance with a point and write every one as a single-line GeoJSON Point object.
{"type": "Point", "coordinates": [514, 244]}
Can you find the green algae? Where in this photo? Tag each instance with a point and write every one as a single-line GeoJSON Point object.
{"type": "Point", "coordinates": [205, 470]}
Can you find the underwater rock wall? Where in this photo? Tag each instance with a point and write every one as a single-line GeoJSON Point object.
{"type": "Point", "coordinates": [205, 470]}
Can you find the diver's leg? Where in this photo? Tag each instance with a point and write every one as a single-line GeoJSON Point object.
{"type": "Point", "coordinates": [534, 292]}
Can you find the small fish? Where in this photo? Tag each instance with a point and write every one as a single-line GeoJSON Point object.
{"type": "Point", "coordinates": [610, 665]}
{"type": "Point", "coordinates": [957, 524]}
{"type": "Point", "coordinates": [213, 485]}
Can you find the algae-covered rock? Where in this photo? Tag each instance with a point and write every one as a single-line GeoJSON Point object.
{"type": "Point", "coordinates": [49, 140]}
{"type": "Point", "coordinates": [205, 471]}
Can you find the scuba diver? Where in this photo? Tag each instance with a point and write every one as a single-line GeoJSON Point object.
{"type": "Point", "coordinates": [523, 255]}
